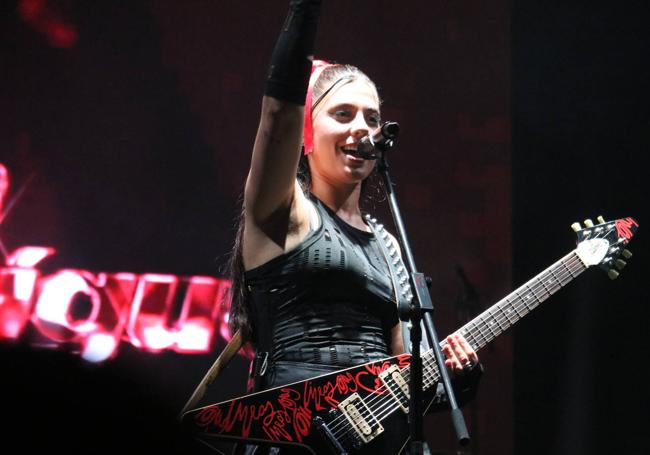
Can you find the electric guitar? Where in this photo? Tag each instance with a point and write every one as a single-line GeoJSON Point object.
{"type": "Point", "coordinates": [363, 409]}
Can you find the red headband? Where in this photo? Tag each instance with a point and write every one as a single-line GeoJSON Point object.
{"type": "Point", "coordinates": [316, 69]}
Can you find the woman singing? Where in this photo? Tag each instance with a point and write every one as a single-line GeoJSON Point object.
{"type": "Point", "coordinates": [311, 288]}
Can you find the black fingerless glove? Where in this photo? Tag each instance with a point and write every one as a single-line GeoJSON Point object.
{"type": "Point", "coordinates": [290, 67]}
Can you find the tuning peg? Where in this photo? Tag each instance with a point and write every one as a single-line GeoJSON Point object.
{"type": "Point", "coordinates": [589, 223]}
{"type": "Point", "coordinates": [627, 254]}
{"type": "Point", "coordinates": [612, 274]}
{"type": "Point", "coordinates": [576, 226]}
{"type": "Point", "coordinates": [620, 263]}
{"type": "Point", "coordinates": [600, 219]}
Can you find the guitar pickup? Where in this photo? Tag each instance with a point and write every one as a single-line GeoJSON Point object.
{"type": "Point", "coordinates": [397, 386]}
{"type": "Point", "coordinates": [363, 421]}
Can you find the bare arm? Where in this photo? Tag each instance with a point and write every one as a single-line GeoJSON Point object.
{"type": "Point", "coordinates": [275, 209]}
{"type": "Point", "coordinates": [271, 181]}
{"type": "Point", "coordinates": [396, 342]}
{"type": "Point", "coordinates": [276, 212]}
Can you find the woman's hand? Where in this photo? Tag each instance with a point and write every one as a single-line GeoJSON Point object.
{"type": "Point", "coordinates": [460, 357]}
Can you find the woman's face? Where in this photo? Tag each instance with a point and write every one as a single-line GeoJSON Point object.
{"type": "Point", "coordinates": [344, 116]}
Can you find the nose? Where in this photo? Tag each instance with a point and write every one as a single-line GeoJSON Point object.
{"type": "Point", "coordinates": [359, 127]}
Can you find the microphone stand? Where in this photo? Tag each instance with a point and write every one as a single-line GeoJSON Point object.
{"type": "Point", "coordinates": [420, 311]}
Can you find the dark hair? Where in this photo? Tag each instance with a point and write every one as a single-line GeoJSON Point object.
{"type": "Point", "coordinates": [239, 317]}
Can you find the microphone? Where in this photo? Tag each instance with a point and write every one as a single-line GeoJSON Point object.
{"type": "Point", "coordinates": [381, 141]}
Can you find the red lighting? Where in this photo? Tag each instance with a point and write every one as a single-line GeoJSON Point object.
{"type": "Point", "coordinates": [16, 287]}
{"type": "Point", "coordinates": [4, 188]}
{"type": "Point", "coordinates": [92, 313]}
{"type": "Point", "coordinates": [42, 17]}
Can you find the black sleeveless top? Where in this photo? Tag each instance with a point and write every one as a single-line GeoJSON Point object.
{"type": "Point", "coordinates": [325, 305]}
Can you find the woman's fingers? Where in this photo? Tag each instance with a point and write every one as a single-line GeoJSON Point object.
{"type": "Point", "coordinates": [459, 354]}
{"type": "Point", "coordinates": [452, 362]}
{"type": "Point", "coordinates": [469, 353]}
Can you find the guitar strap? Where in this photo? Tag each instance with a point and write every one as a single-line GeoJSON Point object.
{"type": "Point", "coordinates": [232, 348]}
{"type": "Point", "coordinates": [399, 276]}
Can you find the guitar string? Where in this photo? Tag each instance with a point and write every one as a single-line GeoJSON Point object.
{"type": "Point", "coordinates": [496, 315]}
{"type": "Point", "coordinates": [569, 262]}
{"type": "Point", "coordinates": [428, 370]}
{"type": "Point", "coordinates": [387, 402]}
{"type": "Point", "coordinates": [573, 270]}
{"type": "Point", "coordinates": [434, 372]}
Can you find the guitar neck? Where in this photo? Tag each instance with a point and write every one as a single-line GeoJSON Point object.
{"type": "Point", "coordinates": [504, 314]}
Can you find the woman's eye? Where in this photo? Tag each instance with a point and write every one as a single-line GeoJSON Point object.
{"type": "Point", "coordinates": [343, 113]}
{"type": "Point", "coordinates": [374, 120]}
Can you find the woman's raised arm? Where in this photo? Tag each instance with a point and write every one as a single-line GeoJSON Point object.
{"type": "Point", "coordinates": [270, 185]}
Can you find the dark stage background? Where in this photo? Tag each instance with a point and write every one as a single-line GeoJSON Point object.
{"type": "Point", "coordinates": [132, 132]}
{"type": "Point", "coordinates": [581, 135]}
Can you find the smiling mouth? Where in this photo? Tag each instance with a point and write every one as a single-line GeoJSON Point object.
{"type": "Point", "coordinates": [349, 150]}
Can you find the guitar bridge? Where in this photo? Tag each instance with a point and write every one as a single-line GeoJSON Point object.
{"type": "Point", "coordinates": [363, 421]}
{"type": "Point", "coordinates": [397, 386]}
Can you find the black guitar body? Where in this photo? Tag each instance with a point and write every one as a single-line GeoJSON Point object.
{"type": "Point", "coordinates": [307, 414]}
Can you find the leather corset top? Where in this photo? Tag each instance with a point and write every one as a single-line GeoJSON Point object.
{"type": "Point", "coordinates": [329, 300]}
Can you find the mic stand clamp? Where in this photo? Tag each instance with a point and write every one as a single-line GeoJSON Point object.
{"type": "Point", "coordinates": [419, 313]}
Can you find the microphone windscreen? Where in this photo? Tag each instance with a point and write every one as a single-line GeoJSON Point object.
{"type": "Point", "coordinates": [365, 146]}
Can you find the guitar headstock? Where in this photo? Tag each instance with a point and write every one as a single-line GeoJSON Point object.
{"type": "Point", "coordinates": [604, 243]}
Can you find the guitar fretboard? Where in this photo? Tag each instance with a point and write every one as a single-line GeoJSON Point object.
{"type": "Point", "coordinates": [504, 314]}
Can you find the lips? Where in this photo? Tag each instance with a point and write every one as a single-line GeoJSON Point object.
{"type": "Point", "coordinates": [348, 149]}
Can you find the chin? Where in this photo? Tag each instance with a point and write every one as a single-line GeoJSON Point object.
{"type": "Point", "coordinates": [355, 176]}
